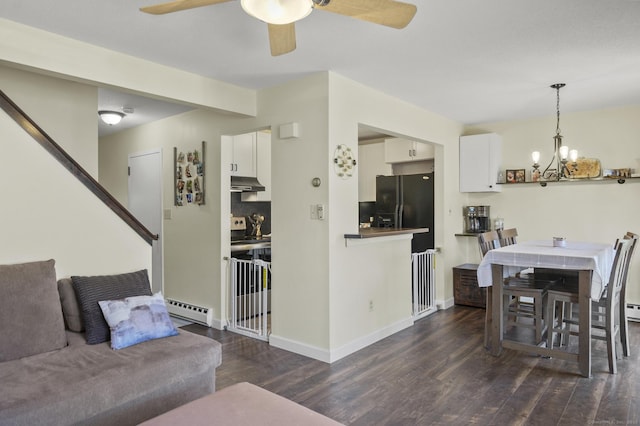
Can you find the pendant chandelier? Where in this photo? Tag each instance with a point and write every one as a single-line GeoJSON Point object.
{"type": "Point", "coordinates": [561, 153]}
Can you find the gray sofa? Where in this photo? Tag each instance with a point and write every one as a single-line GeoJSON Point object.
{"type": "Point", "coordinates": [49, 375]}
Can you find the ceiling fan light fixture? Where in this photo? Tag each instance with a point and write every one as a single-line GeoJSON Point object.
{"type": "Point", "coordinates": [278, 12]}
{"type": "Point", "coordinates": [111, 117]}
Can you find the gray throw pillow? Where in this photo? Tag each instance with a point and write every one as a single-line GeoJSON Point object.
{"type": "Point", "coordinates": [70, 307]}
{"type": "Point", "coordinates": [31, 319]}
{"type": "Point", "coordinates": [91, 290]}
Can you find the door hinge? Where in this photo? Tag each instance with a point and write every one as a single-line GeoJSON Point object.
{"type": "Point", "coordinates": [129, 171]}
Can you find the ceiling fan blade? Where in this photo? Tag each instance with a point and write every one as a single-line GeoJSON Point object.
{"type": "Point", "coordinates": [282, 38]}
{"type": "Point", "coordinates": [390, 13]}
{"type": "Point", "coordinates": [175, 6]}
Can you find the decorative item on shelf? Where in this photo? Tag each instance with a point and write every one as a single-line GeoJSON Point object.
{"type": "Point", "coordinates": [619, 174]}
{"type": "Point", "coordinates": [561, 154]}
{"type": "Point", "coordinates": [515, 176]}
{"type": "Point", "coordinates": [344, 161]}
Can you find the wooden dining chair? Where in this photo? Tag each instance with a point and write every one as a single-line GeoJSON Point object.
{"type": "Point", "coordinates": [607, 319]}
{"type": "Point", "coordinates": [508, 236]}
{"type": "Point", "coordinates": [488, 241]}
{"type": "Point", "coordinates": [525, 295]}
{"type": "Point", "coordinates": [624, 319]}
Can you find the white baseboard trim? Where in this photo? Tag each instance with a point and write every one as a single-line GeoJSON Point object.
{"type": "Point", "coordinates": [330, 356]}
{"type": "Point", "coordinates": [299, 348]}
{"type": "Point", "coordinates": [445, 304]}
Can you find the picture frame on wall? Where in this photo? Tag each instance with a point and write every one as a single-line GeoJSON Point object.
{"type": "Point", "coordinates": [516, 176]}
{"type": "Point", "coordinates": [189, 177]}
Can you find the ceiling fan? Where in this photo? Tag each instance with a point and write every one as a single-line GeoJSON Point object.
{"type": "Point", "coordinates": [281, 15]}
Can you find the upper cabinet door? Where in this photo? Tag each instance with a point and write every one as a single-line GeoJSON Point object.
{"type": "Point", "coordinates": [244, 155]}
{"type": "Point", "coordinates": [398, 150]}
{"type": "Point", "coordinates": [480, 158]}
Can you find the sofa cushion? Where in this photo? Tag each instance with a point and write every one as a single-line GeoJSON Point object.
{"type": "Point", "coordinates": [31, 319]}
{"type": "Point", "coordinates": [137, 319]}
{"type": "Point", "coordinates": [70, 307]}
{"type": "Point", "coordinates": [91, 290]}
{"type": "Point", "coordinates": [93, 384]}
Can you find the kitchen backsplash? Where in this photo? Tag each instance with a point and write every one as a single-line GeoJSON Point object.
{"type": "Point", "coordinates": [246, 209]}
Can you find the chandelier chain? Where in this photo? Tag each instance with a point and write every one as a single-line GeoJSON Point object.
{"type": "Point", "coordinates": [558, 110]}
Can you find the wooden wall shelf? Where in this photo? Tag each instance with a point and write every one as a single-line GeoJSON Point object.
{"type": "Point", "coordinates": [619, 180]}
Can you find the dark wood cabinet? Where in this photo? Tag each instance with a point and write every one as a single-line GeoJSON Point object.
{"type": "Point", "coordinates": [465, 286]}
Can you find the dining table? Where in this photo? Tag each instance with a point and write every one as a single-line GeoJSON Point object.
{"type": "Point", "coordinates": [591, 261]}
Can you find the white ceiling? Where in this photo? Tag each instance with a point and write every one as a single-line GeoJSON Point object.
{"type": "Point", "coordinates": [472, 61]}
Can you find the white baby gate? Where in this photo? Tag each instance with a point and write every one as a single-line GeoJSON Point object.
{"type": "Point", "coordinates": [250, 297]}
{"type": "Point", "coordinates": [423, 283]}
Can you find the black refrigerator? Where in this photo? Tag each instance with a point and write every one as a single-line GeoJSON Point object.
{"type": "Point", "coordinates": [407, 202]}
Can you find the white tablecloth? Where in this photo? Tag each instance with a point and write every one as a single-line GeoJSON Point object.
{"type": "Point", "coordinates": [542, 254]}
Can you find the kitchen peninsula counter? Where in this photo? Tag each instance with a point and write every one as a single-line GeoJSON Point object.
{"type": "Point", "coordinates": [366, 233]}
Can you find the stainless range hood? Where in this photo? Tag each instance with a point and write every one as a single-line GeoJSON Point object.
{"type": "Point", "coordinates": [245, 184]}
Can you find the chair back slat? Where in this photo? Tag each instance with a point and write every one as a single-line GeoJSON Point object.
{"type": "Point", "coordinates": [508, 236]}
{"type": "Point", "coordinates": [617, 278]}
{"type": "Point", "coordinates": [634, 240]}
{"type": "Point", "coordinates": [488, 241]}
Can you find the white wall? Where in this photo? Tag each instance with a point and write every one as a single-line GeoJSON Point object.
{"type": "Point", "coordinates": [53, 104]}
{"type": "Point", "coordinates": [352, 104]}
{"type": "Point", "coordinates": [578, 211]}
{"type": "Point", "coordinates": [60, 56]}
{"type": "Point", "coordinates": [195, 243]}
{"type": "Point", "coordinates": [370, 164]}
{"type": "Point", "coordinates": [331, 293]}
{"type": "Point", "coordinates": [46, 212]}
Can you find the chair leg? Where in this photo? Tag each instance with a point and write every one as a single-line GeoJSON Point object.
{"type": "Point", "coordinates": [537, 317]}
{"type": "Point", "coordinates": [564, 311]}
{"type": "Point", "coordinates": [610, 337]}
{"type": "Point", "coordinates": [488, 318]}
{"type": "Point", "coordinates": [624, 330]}
{"type": "Point", "coordinates": [551, 315]}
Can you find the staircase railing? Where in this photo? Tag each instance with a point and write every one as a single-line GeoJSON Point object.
{"type": "Point", "coordinates": [40, 136]}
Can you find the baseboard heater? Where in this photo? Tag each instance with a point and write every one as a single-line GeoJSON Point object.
{"type": "Point", "coordinates": [187, 311]}
{"type": "Point", "coordinates": [633, 312]}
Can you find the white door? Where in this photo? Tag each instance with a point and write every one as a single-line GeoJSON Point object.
{"type": "Point", "coordinates": [145, 203]}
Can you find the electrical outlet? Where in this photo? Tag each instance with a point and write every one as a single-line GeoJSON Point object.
{"type": "Point", "coordinates": [371, 305]}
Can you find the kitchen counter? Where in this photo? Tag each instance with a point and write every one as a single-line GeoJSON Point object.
{"type": "Point", "coordinates": [384, 232]}
{"type": "Point", "coordinates": [250, 244]}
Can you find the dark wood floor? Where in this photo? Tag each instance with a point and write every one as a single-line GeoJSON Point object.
{"type": "Point", "coordinates": [437, 372]}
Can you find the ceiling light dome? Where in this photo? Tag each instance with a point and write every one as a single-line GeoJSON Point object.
{"type": "Point", "coordinates": [279, 12]}
{"type": "Point", "coordinates": [111, 117]}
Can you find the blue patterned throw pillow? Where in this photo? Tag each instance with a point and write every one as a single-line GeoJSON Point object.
{"type": "Point", "coordinates": [137, 319]}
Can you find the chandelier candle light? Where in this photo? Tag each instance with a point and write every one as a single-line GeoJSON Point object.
{"type": "Point", "coordinates": [561, 154]}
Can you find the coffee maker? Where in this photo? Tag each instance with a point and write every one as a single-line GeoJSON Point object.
{"type": "Point", "coordinates": [477, 219]}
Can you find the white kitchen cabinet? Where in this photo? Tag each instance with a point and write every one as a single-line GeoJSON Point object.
{"type": "Point", "coordinates": [371, 164]}
{"type": "Point", "coordinates": [263, 168]}
{"type": "Point", "coordinates": [398, 150]}
{"type": "Point", "coordinates": [244, 158]}
{"type": "Point", "coordinates": [480, 158]}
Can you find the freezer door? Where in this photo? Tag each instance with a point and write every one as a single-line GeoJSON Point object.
{"type": "Point", "coordinates": [387, 199]}
{"type": "Point", "coordinates": [418, 208]}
